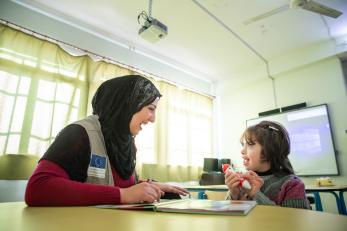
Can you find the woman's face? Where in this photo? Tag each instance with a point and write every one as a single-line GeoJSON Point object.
{"type": "Point", "coordinates": [142, 117]}
{"type": "Point", "coordinates": [251, 154]}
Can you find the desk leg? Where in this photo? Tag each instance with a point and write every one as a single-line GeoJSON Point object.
{"type": "Point", "coordinates": [338, 202]}
{"type": "Point", "coordinates": [343, 205]}
{"type": "Point", "coordinates": [317, 201]}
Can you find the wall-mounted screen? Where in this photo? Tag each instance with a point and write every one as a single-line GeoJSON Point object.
{"type": "Point", "coordinates": [312, 148]}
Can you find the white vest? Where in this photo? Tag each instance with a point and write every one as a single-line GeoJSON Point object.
{"type": "Point", "coordinates": [99, 169]}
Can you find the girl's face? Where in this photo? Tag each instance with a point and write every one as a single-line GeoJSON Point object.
{"type": "Point", "coordinates": [251, 154]}
{"type": "Point", "coordinates": [142, 117]}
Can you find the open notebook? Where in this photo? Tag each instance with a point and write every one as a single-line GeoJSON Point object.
{"type": "Point", "coordinates": [225, 207]}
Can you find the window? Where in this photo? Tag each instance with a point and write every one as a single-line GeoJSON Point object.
{"type": "Point", "coordinates": [38, 96]}
{"type": "Point", "coordinates": [182, 134]}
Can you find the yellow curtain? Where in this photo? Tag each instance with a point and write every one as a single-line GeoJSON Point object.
{"type": "Point", "coordinates": [182, 136]}
{"type": "Point", "coordinates": [42, 89]}
{"type": "Point", "coordinates": [100, 72]}
{"type": "Point", "coordinates": [173, 148]}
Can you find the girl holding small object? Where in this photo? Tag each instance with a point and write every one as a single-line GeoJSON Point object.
{"type": "Point", "coordinates": [242, 182]}
{"type": "Point", "coordinates": [265, 150]}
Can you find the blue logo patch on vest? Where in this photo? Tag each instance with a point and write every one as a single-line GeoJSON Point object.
{"type": "Point", "coordinates": [97, 166]}
{"type": "Point", "coordinates": [98, 161]}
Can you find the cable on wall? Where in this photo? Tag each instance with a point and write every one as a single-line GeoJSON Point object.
{"type": "Point", "coordinates": [246, 44]}
{"type": "Point", "coordinates": [329, 31]}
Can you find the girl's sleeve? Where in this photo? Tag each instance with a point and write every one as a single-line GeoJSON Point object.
{"type": "Point", "coordinates": [262, 199]}
{"type": "Point", "coordinates": [293, 194]}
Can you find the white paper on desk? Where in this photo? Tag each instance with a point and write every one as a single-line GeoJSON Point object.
{"type": "Point", "coordinates": [225, 207]}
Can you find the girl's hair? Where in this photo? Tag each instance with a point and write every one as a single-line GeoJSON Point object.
{"type": "Point", "coordinates": [275, 143]}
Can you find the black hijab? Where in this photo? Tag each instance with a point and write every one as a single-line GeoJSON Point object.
{"type": "Point", "coordinates": [115, 102]}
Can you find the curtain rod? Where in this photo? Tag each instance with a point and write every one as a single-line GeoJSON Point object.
{"type": "Point", "coordinates": [104, 58]}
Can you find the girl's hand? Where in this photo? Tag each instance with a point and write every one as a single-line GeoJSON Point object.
{"type": "Point", "coordinates": [140, 193]}
{"type": "Point", "coordinates": [255, 181]}
{"type": "Point", "coordinates": [232, 181]}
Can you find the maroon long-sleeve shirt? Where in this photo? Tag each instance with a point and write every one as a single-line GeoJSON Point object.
{"type": "Point", "coordinates": [50, 186]}
{"type": "Point", "coordinates": [59, 178]}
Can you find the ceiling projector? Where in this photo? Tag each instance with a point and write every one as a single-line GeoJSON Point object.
{"type": "Point", "coordinates": [153, 30]}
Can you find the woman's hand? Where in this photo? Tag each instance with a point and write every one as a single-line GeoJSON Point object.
{"type": "Point", "coordinates": [232, 180]}
{"type": "Point", "coordinates": [139, 193]}
{"type": "Point", "coordinates": [255, 181]}
{"type": "Point", "coordinates": [170, 188]}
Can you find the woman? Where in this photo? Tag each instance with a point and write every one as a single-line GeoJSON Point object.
{"type": "Point", "coordinates": [92, 161]}
{"type": "Point", "coordinates": [265, 150]}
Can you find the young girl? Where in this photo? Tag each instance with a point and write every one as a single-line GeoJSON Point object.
{"type": "Point", "coordinates": [265, 150]}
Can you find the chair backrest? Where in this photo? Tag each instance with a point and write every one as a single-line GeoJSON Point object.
{"type": "Point", "coordinates": [311, 199]}
{"type": "Point", "coordinates": [17, 166]}
{"type": "Point", "coordinates": [15, 169]}
{"type": "Point", "coordinates": [215, 195]}
{"type": "Point", "coordinates": [12, 190]}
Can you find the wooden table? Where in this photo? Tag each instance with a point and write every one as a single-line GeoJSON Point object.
{"type": "Point", "coordinates": [17, 216]}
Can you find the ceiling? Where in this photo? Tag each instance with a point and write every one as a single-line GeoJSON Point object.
{"type": "Point", "coordinates": [207, 37]}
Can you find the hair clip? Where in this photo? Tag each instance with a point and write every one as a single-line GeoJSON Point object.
{"type": "Point", "coordinates": [273, 128]}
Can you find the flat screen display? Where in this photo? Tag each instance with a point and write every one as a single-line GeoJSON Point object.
{"type": "Point", "coordinates": [312, 148]}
